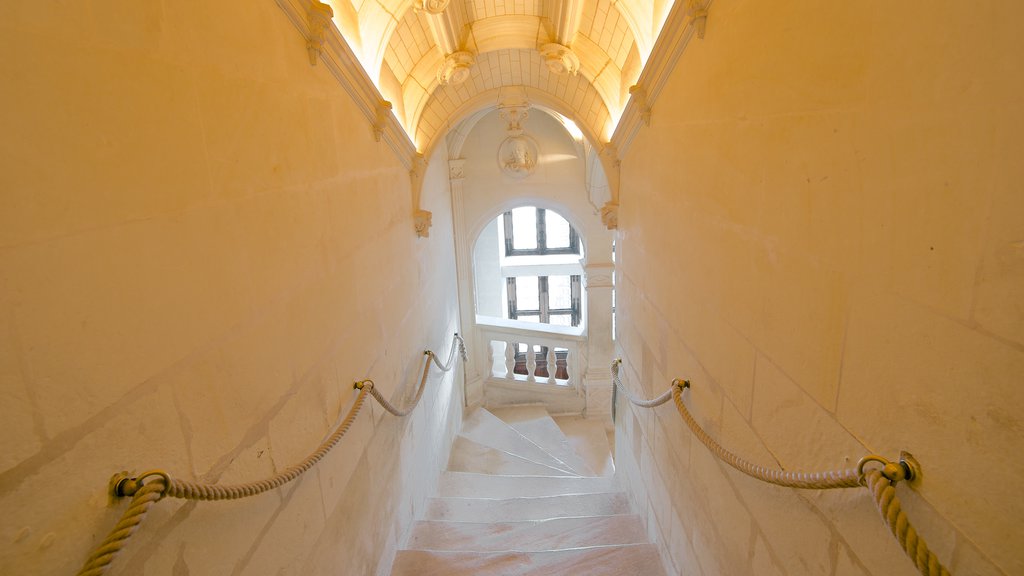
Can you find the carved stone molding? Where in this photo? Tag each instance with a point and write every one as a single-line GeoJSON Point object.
{"type": "Point", "coordinates": [560, 59]}
{"type": "Point", "coordinates": [457, 169]}
{"type": "Point", "coordinates": [421, 220]}
{"type": "Point", "coordinates": [514, 109]}
{"type": "Point", "coordinates": [455, 69]}
{"type": "Point", "coordinates": [599, 275]}
{"type": "Point", "coordinates": [339, 59]}
{"type": "Point", "coordinates": [697, 10]}
{"type": "Point", "coordinates": [319, 17]}
{"type": "Point", "coordinates": [610, 215]}
{"type": "Point", "coordinates": [639, 93]}
{"type": "Point", "coordinates": [433, 6]}
{"type": "Point", "coordinates": [675, 37]}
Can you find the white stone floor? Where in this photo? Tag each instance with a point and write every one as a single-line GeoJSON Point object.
{"type": "Point", "coordinates": [526, 494]}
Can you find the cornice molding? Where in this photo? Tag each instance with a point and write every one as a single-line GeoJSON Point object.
{"type": "Point", "coordinates": [336, 55]}
{"type": "Point", "coordinates": [685, 20]}
{"type": "Point", "coordinates": [325, 43]}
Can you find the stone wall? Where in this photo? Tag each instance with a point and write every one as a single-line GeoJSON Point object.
{"type": "Point", "coordinates": [201, 247]}
{"type": "Point", "coordinates": [821, 228]}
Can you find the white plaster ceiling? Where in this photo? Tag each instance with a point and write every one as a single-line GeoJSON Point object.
{"type": "Point", "coordinates": [403, 44]}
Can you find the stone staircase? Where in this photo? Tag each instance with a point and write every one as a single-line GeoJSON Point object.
{"type": "Point", "coordinates": [525, 495]}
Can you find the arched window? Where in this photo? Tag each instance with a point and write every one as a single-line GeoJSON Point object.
{"type": "Point", "coordinates": [539, 256]}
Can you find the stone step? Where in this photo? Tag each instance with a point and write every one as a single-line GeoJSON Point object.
{"type": "Point", "coordinates": [526, 509]}
{"type": "Point", "coordinates": [485, 428]}
{"type": "Point", "coordinates": [470, 456]}
{"type": "Point", "coordinates": [534, 422]}
{"type": "Point", "coordinates": [588, 437]}
{"type": "Point", "coordinates": [471, 485]}
{"type": "Point", "coordinates": [532, 536]}
{"type": "Point", "coordinates": [627, 560]}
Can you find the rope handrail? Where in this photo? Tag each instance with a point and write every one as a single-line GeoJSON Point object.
{"type": "Point", "coordinates": [150, 487]}
{"type": "Point", "coordinates": [457, 343]}
{"type": "Point", "coordinates": [880, 482]}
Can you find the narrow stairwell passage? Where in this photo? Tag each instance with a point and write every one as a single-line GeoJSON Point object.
{"type": "Point", "coordinates": [522, 498]}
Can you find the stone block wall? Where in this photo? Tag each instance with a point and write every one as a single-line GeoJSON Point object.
{"type": "Point", "coordinates": [821, 228]}
{"type": "Point", "coordinates": [201, 247]}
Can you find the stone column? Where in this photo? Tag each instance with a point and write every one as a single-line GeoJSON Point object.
{"type": "Point", "coordinates": [600, 348]}
{"type": "Point", "coordinates": [473, 390]}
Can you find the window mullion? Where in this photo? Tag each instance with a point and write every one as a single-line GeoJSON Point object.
{"type": "Point", "coordinates": [542, 231]}
{"type": "Point", "coordinates": [542, 285]}
{"type": "Point", "coordinates": [509, 246]}
{"type": "Point", "coordinates": [510, 287]}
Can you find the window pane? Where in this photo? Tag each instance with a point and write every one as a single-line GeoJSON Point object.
{"type": "Point", "coordinates": [524, 228]}
{"type": "Point", "coordinates": [557, 230]}
{"type": "Point", "coordinates": [530, 318]}
{"type": "Point", "coordinates": [527, 293]}
{"type": "Point", "coordinates": [561, 319]}
{"type": "Point", "coordinates": [559, 292]}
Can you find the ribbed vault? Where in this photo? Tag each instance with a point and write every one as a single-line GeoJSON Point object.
{"type": "Point", "coordinates": [433, 58]}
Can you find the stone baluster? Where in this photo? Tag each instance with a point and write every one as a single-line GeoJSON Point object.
{"type": "Point", "coordinates": [552, 364]}
{"type": "Point", "coordinates": [510, 360]}
{"type": "Point", "coordinates": [531, 363]}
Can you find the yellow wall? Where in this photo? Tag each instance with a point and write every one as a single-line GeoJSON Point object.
{"type": "Point", "coordinates": [201, 247]}
{"type": "Point", "coordinates": [822, 229]}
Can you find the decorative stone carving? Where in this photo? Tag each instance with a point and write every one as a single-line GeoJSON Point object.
{"type": "Point", "coordinates": [514, 109]}
{"type": "Point", "coordinates": [457, 169]}
{"type": "Point", "coordinates": [517, 156]}
{"type": "Point", "coordinates": [560, 59]}
{"type": "Point", "coordinates": [433, 6]}
{"type": "Point", "coordinates": [610, 215]}
{"type": "Point", "coordinates": [599, 276]}
{"type": "Point", "coordinates": [383, 110]}
{"type": "Point", "coordinates": [455, 69]}
{"type": "Point", "coordinates": [639, 94]}
{"type": "Point", "coordinates": [698, 12]}
{"type": "Point", "coordinates": [421, 220]}
{"type": "Point", "coordinates": [319, 17]}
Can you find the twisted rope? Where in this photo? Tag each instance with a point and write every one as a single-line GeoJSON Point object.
{"type": "Point", "coordinates": [641, 402]}
{"type": "Point", "coordinates": [188, 490]}
{"type": "Point", "coordinates": [457, 343]}
{"type": "Point", "coordinates": [148, 493]}
{"type": "Point", "coordinates": [848, 478]}
{"type": "Point", "coordinates": [881, 483]}
{"type": "Point", "coordinates": [145, 494]}
{"type": "Point", "coordinates": [884, 493]}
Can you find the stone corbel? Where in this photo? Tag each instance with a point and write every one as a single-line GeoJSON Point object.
{"type": "Point", "coordinates": [560, 59]}
{"type": "Point", "coordinates": [456, 68]}
{"type": "Point", "coordinates": [610, 162]}
{"type": "Point", "coordinates": [319, 17]}
{"type": "Point", "coordinates": [610, 215]}
{"type": "Point", "coordinates": [639, 94]}
{"type": "Point", "coordinates": [698, 12]}
{"type": "Point", "coordinates": [383, 111]}
{"type": "Point", "coordinates": [433, 6]}
{"type": "Point", "coordinates": [421, 220]}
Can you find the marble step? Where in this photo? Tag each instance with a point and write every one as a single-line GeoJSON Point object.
{"type": "Point", "coordinates": [470, 456]}
{"type": "Point", "coordinates": [533, 422]}
{"type": "Point", "coordinates": [526, 509]}
{"type": "Point", "coordinates": [471, 485]}
{"type": "Point", "coordinates": [588, 437]}
{"type": "Point", "coordinates": [485, 428]}
{"type": "Point", "coordinates": [532, 536]}
{"type": "Point", "coordinates": [627, 560]}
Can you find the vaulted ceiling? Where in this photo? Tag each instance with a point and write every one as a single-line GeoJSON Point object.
{"type": "Point", "coordinates": [438, 61]}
